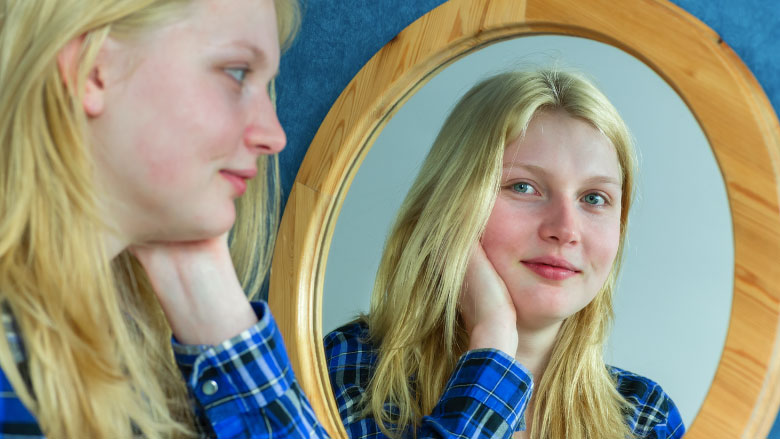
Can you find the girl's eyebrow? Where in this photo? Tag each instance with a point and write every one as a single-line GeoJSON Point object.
{"type": "Point", "coordinates": [532, 168]}
{"type": "Point", "coordinates": [256, 52]}
{"type": "Point", "coordinates": [539, 170]}
{"type": "Point", "coordinates": [603, 179]}
{"type": "Point", "coordinates": [260, 56]}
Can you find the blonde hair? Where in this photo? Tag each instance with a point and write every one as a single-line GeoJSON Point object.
{"type": "Point", "coordinates": [98, 346]}
{"type": "Point", "coordinates": [414, 308]}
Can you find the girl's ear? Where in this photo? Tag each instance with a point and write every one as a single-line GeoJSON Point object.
{"type": "Point", "coordinates": [93, 93]}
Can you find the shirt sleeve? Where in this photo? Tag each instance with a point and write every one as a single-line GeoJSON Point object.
{"type": "Point", "coordinates": [245, 386]}
{"type": "Point", "coordinates": [673, 428]}
{"type": "Point", "coordinates": [485, 397]}
{"type": "Point", "coordinates": [655, 416]}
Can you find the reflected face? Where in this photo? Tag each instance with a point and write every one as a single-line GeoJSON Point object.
{"type": "Point", "coordinates": [186, 120]}
{"type": "Point", "coordinates": [554, 231]}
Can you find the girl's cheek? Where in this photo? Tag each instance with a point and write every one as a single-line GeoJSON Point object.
{"type": "Point", "coordinates": [604, 241]}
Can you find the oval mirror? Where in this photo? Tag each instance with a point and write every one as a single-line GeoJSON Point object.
{"type": "Point", "coordinates": [674, 295]}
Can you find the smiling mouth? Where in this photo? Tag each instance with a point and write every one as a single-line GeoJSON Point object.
{"type": "Point", "coordinates": [551, 271]}
{"type": "Point", "coordinates": [239, 183]}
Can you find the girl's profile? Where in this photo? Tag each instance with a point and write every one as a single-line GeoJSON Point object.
{"type": "Point", "coordinates": [135, 135]}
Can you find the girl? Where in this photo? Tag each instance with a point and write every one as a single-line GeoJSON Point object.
{"type": "Point", "coordinates": [493, 298]}
{"type": "Point", "coordinates": [129, 128]}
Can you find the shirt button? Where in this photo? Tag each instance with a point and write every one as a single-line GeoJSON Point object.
{"type": "Point", "coordinates": [210, 387]}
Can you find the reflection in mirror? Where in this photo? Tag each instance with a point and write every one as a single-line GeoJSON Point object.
{"type": "Point", "coordinates": [674, 295]}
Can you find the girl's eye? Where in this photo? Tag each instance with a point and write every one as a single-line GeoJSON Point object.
{"type": "Point", "coordinates": [238, 73]}
{"type": "Point", "coordinates": [523, 188]}
{"type": "Point", "coordinates": [595, 199]}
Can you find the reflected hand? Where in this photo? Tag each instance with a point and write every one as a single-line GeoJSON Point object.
{"type": "Point", "coordinates": [198, 289]}
{"type": "Point", "coordinates": [486, 307]}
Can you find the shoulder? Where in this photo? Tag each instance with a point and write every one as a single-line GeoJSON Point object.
{"type": "Point", "coordinates": [15, 419]}
{"type": "Point", "coordinates": [349, 344]}
{"type": "Point", "coordinates": [351, 361]}
{"type": "Point", "coordinates": [654, 413]}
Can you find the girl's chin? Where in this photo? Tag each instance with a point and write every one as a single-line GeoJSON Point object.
{"type": "Point", "coordinates": [193, 232]}
{"type": "Point", "coordinates": [215, 223]}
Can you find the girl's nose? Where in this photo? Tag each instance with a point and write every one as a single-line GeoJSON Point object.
{"type": "Point", "coordinates": [264, 133]}
{"type": "Point", "coordinates": [560, 224]}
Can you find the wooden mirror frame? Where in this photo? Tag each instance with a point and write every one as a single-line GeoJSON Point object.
{"type": "Point", "coordinates": [720, 91]}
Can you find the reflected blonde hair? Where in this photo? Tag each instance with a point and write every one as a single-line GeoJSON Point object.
{"type": "Point", "coordinates": [99, 361]}
{"type": "Point", "coordinates": [414, 318]}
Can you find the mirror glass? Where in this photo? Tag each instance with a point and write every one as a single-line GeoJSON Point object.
{"type": "Point", "coordinates": [674, 295]}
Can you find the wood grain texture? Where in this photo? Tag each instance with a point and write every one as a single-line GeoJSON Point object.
{"type": "Point", "coordinates": [734, 113]}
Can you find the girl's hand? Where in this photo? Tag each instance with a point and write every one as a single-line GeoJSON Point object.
{"type": "Point", "coordinates": [486, 307]}
{"type": "Point", "coordinates": [198, 289]}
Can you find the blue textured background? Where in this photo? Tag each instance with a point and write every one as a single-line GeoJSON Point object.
{"type": "Point", "coordinates": [338, 37]}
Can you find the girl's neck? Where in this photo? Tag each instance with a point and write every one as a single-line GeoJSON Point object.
{"type": "Point", "coordinates": [534, 348]}
{"type": "Point", "coordinates": [115, 241]}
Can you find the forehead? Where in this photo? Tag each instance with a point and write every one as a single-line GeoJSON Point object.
{"type": "Point", "coordinates": [559, 142]}
{"type": "Point", "coordinates": [247, 23]}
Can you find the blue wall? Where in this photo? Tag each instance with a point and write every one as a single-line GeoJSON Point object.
{"type": "Point", "coordinates": [338, 37]}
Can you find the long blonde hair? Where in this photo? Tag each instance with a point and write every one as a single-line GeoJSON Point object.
{"type": "Point", "coordinates": [98, 351]}
{"type": "Point", "coordinates": [414, 308]}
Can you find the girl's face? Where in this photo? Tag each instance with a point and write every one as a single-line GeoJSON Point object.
{"type": "Point", "coordinates": [555, 228]}
{"type": "Point", "coordinates": [185, 114]}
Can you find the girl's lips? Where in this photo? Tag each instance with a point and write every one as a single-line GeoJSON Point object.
{"type": "Point", "coordinates": [238, 182]}
{"type": "Point", "coordinates": [551, 272]}
{"type": "Point", "coordinates": [247, 174]}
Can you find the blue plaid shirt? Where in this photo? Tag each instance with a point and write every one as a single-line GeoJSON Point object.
{"type": "Point", "coordinates": [486, 395]}
{"type": "Point", "coordinates": [242, 388]}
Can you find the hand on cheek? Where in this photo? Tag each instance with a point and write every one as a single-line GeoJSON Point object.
{"type": "Point", "coordinates": [198, 289]}
{"type": "Point", "coordinates": [486, 307]}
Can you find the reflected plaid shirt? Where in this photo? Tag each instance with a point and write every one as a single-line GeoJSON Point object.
{"type": "Point", "coordinates": [241, 388]}
{"type": "Point", "coordinates": [485, 397]}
